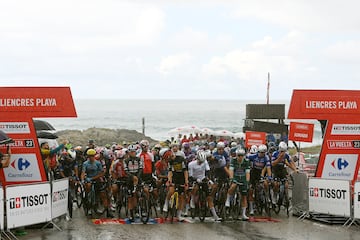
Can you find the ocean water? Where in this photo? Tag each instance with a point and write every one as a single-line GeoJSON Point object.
{"type": "Point", "coordinates": [163, 115]}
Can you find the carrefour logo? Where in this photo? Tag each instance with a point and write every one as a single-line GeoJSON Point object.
{"type": "Point", "coordinates": [339, 163]}
{"type": "Point", "coordinates": [20, 164]}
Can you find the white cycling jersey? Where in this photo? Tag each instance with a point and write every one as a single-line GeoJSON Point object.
{"type": "Point", "coordinates": [197, 170]}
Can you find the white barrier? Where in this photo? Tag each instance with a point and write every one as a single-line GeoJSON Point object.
{"type": "Point", "coordinates": [2, 209]}
{"type": "Point", "coordinates": [330, 196]}
{"type": "Point", "coordinates": [357, 200]}
{"type": "Point", "coordinates": [28, 204]}
{"type": "Point", "coordinates": [59, 197]}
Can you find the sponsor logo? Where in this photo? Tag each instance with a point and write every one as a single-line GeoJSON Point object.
{"type": "Point", "coordinates": [345, 129]}
{"type": "Point", "coordinates": [28, 201]}
{"type": "Point", "coordinates": [59, 195]}
{"type": "Point", "coordinates": [15, 127]}
{"type": "Point", "coordinates": [340, 163]}
{"type": "Point", "coordinates": [20, 164]}
{"type": "Point", "coordinates": [327, 193]}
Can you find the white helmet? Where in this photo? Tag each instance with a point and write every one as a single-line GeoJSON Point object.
{"type": "Point", "coordinates": [240, 152]}
{"type": "Point", "coordinates": [201, 156]}
{"type": "Point", "coordinates": [262, 148]}
{"type": "Point", "coordinates": [253, 149]}
{"type": "Point", "coordinates": [220, 145]}
{"type": "Point", "coordinates": [282, 147]}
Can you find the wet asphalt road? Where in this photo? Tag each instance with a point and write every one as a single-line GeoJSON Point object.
{"type": "Point", "coordinates": [82, 228]}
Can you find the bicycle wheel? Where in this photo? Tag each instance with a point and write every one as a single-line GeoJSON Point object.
{"type": "Point", "coordinates": [202, 205]}
{"type": "Point", "coordinates": [278, 204]}
{"type": "Point", "coordinates": [152, 203]}
{"type": "Point", "coordinates": [235, 208]}
{"type": "Point", "coordinates": [258, 200]}
{"type": "Point", "coordinates": [86, 204]}
{"type": "Point", "coordinates": [173, 209]}
{"type": "Point", "coordinates": [144, 210]}
{"type": "Point", "coordinates": [97, 203]}
{"type": "Point", "coordinates": [287, 203]}
{"type": "Point", "coordinates": [266, 203]}
{"type": "Point", "coordinates": [70, 203]}
{"type": "Point", "coordinates": [79, 194]}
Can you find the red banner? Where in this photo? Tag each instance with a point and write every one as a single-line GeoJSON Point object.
{"type": "Point", "coordinates": [254, 138]}
{"type": "Point", "coordinates": [302, 132]}
{"type": "Point", "coordinates": [18, 105]}
{"type": "Point", "coordinates": [339, 157]}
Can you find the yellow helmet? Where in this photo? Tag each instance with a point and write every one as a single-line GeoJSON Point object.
{"type": "Point", "coordinates": [91, 152]}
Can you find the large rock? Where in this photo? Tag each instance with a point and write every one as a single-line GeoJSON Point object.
{"type": "Point", "coordinates": [103, 136]}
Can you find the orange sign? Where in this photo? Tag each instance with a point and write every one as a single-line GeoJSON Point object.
{"type": "Point", "coordinates": [18, 105]}
{"type": "Point", "coordinates": [254, 138]}
{"type": "Point", "coordinates": [302, 132]}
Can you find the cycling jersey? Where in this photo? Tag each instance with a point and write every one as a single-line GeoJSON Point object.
{"type": "Point", "coordinates": [279, 170]}
{"type": "Point", "coordinates": [161, 168]}
{"type": "Point", "coordinates": [148, 162]}
{"type": "Point", "coordinates": [259, 162]}
{"type": "Point", "coordinates": [178, 167]}
{"type": "Point", "coordinates": [221, 160]}
{"type": "Point", "coordinates": [240, 169]}
{"type": "Point", "coordinates": [118, 168]}
{"type": "Point", "coordinates": [133, 165]}
{"type": "Point", "coordinates": [67, 167]}
{"type": "Point", "coordinates": [92, 168]}
{"type": "Point", "coordinates": [197, 171]}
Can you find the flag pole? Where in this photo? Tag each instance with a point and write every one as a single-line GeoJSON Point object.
{"type": "Point", "coordinates": [268, 89]}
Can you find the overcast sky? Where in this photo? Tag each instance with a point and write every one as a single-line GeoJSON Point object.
{"type": "Point", "coordinates": [180, 49]}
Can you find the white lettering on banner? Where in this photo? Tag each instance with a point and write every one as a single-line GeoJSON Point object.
{"type": "Point", "coordinates": [357, 200]}
{"type": "Point", "coordinates": [28, 204]}
{"type": "Point", "coordinates": [301, 135]}
{"type": "Point", "coordinates": [340, 144]}
{"type": "Point", "coordinates": [329, 196]}
{"type": "Point", "coordinates": [15, 127]}
{"type": "Point", "coordinates": [46, 102]}
{"type": "Point", "coordinates": [339, 166]}
{"type": "Point", "coordinates": [345, 129]}
{"type": "Point", "coordinates": [331, 104]}
{"type": "Point", "coordinates": [302, 126]}
{"type": "Point", "coordinates": [27, 102]}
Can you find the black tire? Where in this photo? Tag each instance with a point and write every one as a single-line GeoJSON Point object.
{"type": "Point", "coordinates": [173, 209]}
{"type": "Point", "coordinates": [86, 205]}
{"type": "Point", "coordinates": [152, 207]}
{"type": "Point", "coordinates": [97, 204]}
{"type": "Point", "coordinates": [235, 209]}
{"type": "Point", "coordinates": [144, 210]}
{"type": "Point", "coordinates": [79, 194]}
{"type": "Point", "coordinates": [202, 206]}
{"type": "Point", "coordinates": [70, 203]}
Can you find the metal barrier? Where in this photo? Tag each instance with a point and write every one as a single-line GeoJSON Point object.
{"type": "Point", "coordinates": [300, 195]}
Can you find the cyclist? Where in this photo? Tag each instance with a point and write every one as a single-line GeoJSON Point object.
{"type": "Point", "coordinates": [239, 173]}
{"type": "Point", "coordinates": [156, 152]}
{"type": "Point", "coordinates": [260, 166]}
{"type": "Point", "coordinates": [280, 159]}
{"type": "Point", "coordinates": [162, 166]}
{"type": "Point", "coordinates": [177, 175]}
{"type": "Point", "coordinates": [189, 155]}
{"type": "Point", "coordinates": [148, 168]}
{"type": "Point", "coordinates": [133, 168]}
{"type": "Point", "coordinates": [118, 173]}
{"type": "Point", "coordinates": [79, 158]}
{"type": "Point", "coordinates": [68, 166]}
{"type": "Point", "coordinates": [91, 145]}
{"type": "Point", "coordinates": [198, 171]}
{"type": "Point", "coordinates": [219, 166]}
{"type": "Point", "coordinates": [92, 170]}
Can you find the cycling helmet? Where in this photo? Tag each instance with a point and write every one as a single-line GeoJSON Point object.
{"type": "Point", "coordinates": [78, 148]}
{"type": "Point", "coordinates": [212, 144]}
{"type": "Point", "coordinates": [186, 145]}
{"type": "Point", "coordinates": [220, 145]}
{"type": "Point", "coordinates": [120, 154]}
{"type": "Point", "coordinates": [253, 149]}
{"type": "Point", "coordinates": [262, 148]}
{"type": "Point", "coordinates": [282, 147]}
{"type": "Point", "coordinates": [233, 150]}
{"type": "Point", "coordinates": [144, 143]}
{"type": "Point", "coordinates": [72, 154]}
{"type": "Point", "coordinates": [165, 153]}
{"type": "Point", "coordinates": [201, 156]}
{"type": "Point", "coordinates": [233, 144]}
{"type": "Point", "coordinates": [91, 152]}
{"type": "Point", "coordinates": [240, 152]}
{"type": "Point", "coordinates": [157, 146]}
{"type": "Point", "coordinates": [174, 143]}
{"type": "Point", "coordinates": [132, 148]}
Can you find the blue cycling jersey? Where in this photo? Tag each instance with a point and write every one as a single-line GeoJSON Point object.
{"type": "Point", "coordinates": [275, 155]}
{"type": "Point", "coordinates": [92, 168]}
{"type": "Point", "coordinates": [259, 162]}
{"type": "Point", "coordinates": [221, 159]}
